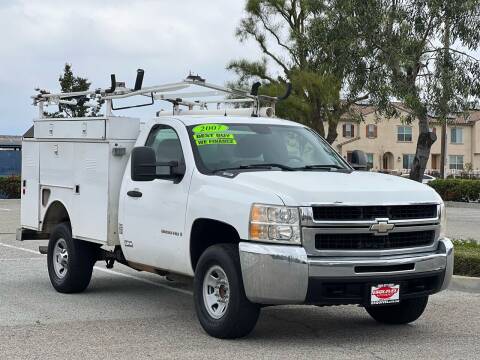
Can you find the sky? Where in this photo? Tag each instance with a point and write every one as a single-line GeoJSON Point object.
{"type": "Point", "coordinates": [166, 38]}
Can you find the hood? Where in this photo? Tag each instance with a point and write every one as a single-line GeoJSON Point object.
{"type": "Point", "coordinates": [304, 188]}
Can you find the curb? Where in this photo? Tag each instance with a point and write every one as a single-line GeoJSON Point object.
{"type": "Point", "coordinates": [465, 283]}
{"type": "Point", "coordinates": [462, 205]}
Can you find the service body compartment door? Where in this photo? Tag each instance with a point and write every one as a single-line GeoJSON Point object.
{"type": "Point", "coordinates": [30, 193]}
{"type": "Point", "coordinates": [90, 191]}
{"type": "Point", "coordinates": [56, 175]}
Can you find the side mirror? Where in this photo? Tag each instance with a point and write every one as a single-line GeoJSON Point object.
{"type": "Point", "coordinates": [143, 164]}
{"type": "Point", "coordinates": [359, 160]}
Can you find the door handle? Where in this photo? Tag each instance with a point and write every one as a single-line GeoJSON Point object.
{"type": "Point", "coordinates": [134, 193]}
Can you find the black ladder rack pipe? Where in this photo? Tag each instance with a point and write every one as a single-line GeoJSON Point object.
{"type": "Point", "coordinates": [139, 80]}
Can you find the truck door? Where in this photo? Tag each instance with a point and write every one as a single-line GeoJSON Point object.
{"type": "Point", "coordinates": [153, 221]}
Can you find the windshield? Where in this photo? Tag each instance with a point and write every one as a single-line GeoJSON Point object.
{"type": "Point", "coordinates": [220, 147]}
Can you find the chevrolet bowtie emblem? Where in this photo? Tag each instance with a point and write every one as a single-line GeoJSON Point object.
{"type": "Point", "coordinates": [382, 226]}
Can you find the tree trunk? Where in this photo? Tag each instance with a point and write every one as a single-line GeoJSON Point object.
{"type": "Point", "coordinates": [446, 94]}
{"type": "Point", "coordinates": [443, 149]}
{"type": "Point", "coordinates": [332, 131]}
{"type": "Point", "coordinates": [424, 144]}
{"type": "Point", "coordinates": [317, 123]}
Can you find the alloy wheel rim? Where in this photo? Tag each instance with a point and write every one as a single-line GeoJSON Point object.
{"type": "Point", "coordinates": [60, 258]}
{"type": "Point", "coordinates": [216, 292]}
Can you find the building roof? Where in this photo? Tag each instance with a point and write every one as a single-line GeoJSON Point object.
{"type": "Point", "coordinates": [466, 119]}
{"type": "Point", "coordinates": [10, 141]}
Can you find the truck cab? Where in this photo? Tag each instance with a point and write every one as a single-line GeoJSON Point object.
{"type": "Point", "coordinates": [292, 209]}
{"type": "Point", "coordinates": [259, 211]}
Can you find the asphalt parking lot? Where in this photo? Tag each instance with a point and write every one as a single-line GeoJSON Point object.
{"type": "Point", "coordinates": [463, 221]}
{"type": "Point", "coordinates": [125, 314]}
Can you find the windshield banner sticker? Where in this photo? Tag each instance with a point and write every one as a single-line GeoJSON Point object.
{"type": "Point", "coordinates": [211, 134]}
{"type": "Point", "coordinates": [204, 128]}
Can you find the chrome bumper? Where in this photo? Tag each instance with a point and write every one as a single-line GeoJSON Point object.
{"type": "Point", "coordinates": [279, 274]}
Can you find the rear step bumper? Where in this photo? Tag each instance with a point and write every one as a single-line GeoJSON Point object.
{"type": "Point", "coordinates": [28, 234]}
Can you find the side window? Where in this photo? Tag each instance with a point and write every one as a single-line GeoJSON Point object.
{"type": "Point", "coordinates": [167, 146]}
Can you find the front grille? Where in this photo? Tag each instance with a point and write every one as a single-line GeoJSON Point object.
{"type": "Point", "coordinates": [359, 213]}
{"type": "Point", "coordinates": [366, 241]}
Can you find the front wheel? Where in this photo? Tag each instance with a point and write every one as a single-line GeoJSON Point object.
{"type": "Point", "coordinates": [220, 301]}
{"type": "Point", "coordinates": [406, 312]}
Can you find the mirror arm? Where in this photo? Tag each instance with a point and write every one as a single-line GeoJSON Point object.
{"type": "Point", "coordinates": [168, 163]}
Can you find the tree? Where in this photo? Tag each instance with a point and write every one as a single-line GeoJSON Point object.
{"type": "Point", "coordinates": [71, 83]}
{"type": "Point", "coordinates": [311, 44]}
{"type": "Point", "coordinates": [423, 70]}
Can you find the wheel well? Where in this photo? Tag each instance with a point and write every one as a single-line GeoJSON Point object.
{"type": "Point", "coordinates": [208, 232]}
{"type": "Point", "coordinates": [56, 214]}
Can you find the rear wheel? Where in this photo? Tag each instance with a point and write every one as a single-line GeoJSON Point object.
{"type": "Point", "coordinates": [70, 262]}
{"type": "Point", "coordinates": [406, 312]}
{"type": "Point", "coordinates": [220, 302]}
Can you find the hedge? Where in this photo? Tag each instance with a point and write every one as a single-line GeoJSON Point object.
{"type": "Point", "coordinates": [457, 189]}
{"type": "Point", "coordinates": [10, 187]}
{"type": "Point", "coordinates": [467, 258]}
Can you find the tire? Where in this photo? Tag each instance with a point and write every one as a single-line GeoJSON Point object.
{"type": "Point", "coordinates": [73, 274]}
{"type": "Point", "coordinates": [406, 312]}
{"type": "Point", "coordinates": [240, 315]}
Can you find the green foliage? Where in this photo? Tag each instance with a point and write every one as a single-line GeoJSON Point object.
{"type": "Point", "coordinates": [467, 258]}
{"type": "Point", "coordinates": [422, 60]}
{"type": "Point", "coordinates": [339, 52]}
{"type": "Point", "coordinates": [10, 187]}
{"type": "Point", "coordinates": [313, 46]}
{"type": "Point", "coordinates": [71, 83]}
{"type": "Point", "coordinates": [457, 189]}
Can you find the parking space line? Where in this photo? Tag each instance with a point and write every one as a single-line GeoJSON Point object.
{"type": "Point", "coordinates": [22, 259]}
{"type": "Point", "coordinates": [3, 209]}
{"type": "Point", "coordinates": [108, 271]}
{"type": "Point", "coordinates": [20, 248]}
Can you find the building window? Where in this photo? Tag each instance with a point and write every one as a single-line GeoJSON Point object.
{"type": "Point", "coordinates": [408, 160]}
{"type": "Point", "coordinates": [349, 157]}
{"type": "Point", "coordinates": [455, 162]}
{"type": "Point", "coordinates": [404, 133]}
{"type": "Point", "coordinates": [456, 135]}
{"type": "Point", "coordinates": [369, 161]}
{"type": "Point", "coordinates": [348, 130]}
{"type": "Point", "coordinates": [371, 131]}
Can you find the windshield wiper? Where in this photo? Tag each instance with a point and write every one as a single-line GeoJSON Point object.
{"type": "Point", "coordinates": [322, 167]}
{"type": "Point", "coordinates": [258, 166]}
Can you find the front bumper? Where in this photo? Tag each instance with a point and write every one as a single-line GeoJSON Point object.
{"type": "Point", "coordinates": [278, 274]}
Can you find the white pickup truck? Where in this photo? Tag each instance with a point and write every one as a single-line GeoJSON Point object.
{"type": "Point", "coordinates": [259, 211]}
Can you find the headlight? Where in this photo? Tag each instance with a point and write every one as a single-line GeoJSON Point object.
{"type": "Point", "coordinates": [275, 224]}
{"type": "Point", "coordinates": [443, 221]}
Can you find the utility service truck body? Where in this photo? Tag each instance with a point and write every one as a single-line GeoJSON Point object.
{"type": "Point", "coordinates": [260, 211]}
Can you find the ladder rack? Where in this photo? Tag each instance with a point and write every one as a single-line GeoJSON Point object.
{"type": "Point", "coordinates": [166, 92]}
